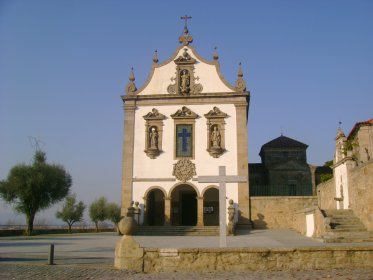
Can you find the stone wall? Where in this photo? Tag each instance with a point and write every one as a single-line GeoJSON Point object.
{"type": "Point", "coordinates": [278, 212]}
{"type": "Point", "coordinates": [361, 193]}
{"type": "Point", "coordinates": [254, 259]}
{"type": "Point", "coordinates": [326, 194]}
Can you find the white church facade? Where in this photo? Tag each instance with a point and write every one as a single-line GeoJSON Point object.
{"type": "Point", "coordinates": [185, 122]}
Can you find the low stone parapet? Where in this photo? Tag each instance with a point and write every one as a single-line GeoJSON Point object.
{"type": "Point", "coordinates": [230, 259]}
{"type": "Point", "coordinates": [250, 259]}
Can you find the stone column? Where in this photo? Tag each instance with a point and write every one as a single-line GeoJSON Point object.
{"type": "Point", "coordinates": [242, 164]}
{"type": "Point", "coordinates": [200, 211]}
{"type": "Point", "coordinates": [127, 159]}
{"type": "Point", "coordinates": [167, 211]}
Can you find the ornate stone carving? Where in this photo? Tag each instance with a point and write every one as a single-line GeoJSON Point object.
{"type": "Point", "coordinates": [131, 87]}
{"type": "Point", "coordinates": [184, 170]}
{"type": "Point", "coordinates": [185, 81]}
{"type": "Point", "coordinates": [185, 38]}
{"type": "Point", "coordinates": [153, 133]}
{"type": "Point", "coordinates": [154, 115]}
{"type": "Point", "coordinates": [184, 113]}
{"type": "Point", "coordinates": [215, 113]}
{"type": "Point", "coordinates": [215, 138]}
{"type": "Point", "coordinates": [231, 224]}
{"type": "Point", "coordinates": [215, 132]}
{"type": "Point", "coordinates": [240, 83]}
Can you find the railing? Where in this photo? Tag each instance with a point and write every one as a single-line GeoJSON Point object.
{"type": "Point", "coordinates": [280, 190]}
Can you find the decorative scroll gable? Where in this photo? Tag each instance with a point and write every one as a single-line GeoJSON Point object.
{"type": "Point", "coordinates": [154, 115]}
{"type": "Point", "coordinates": [184, 113]}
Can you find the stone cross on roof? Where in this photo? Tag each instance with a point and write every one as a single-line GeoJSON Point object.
{"type": "Point", "coordinates": [185, 38]}
{"type": "Point", "coordinates": [222, 179]}
{"type": "Point", "coordinates": [186, 17]}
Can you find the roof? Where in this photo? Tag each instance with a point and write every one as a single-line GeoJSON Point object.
{"type": "Point", "coordinates": [357, 127]}
{"type": "Point", "coordinates": [284, 142]}
{"type": "Point", "coordinates": [186, 73]}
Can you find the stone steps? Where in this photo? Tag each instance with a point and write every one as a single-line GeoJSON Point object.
{"type": "Point", "coordinates": [178, 230]}
{"type": "Point", "coordinates": [345, 227]}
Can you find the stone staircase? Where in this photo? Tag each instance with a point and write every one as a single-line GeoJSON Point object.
{"type": "Point", "coordinates": [178, 230]}
{"type": "Point", "coordinates": [345, 227]}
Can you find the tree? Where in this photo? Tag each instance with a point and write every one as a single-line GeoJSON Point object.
{"type": "Point", "coordinates": [72, 211]}
{"type": "Point", "coordinates": [35, 187]}
{"type": "Point", "coordinates": [113, 214]}
{"type": "Point", "coordinates": [97, 211]}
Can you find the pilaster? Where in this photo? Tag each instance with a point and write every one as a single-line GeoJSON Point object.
{"type": "Point", "coordinates": [200, 211]}
{"type": "Point", "coordinates": [242, 165]}
{"type": "Point", "coordinates": [127, 160]}
{"type": "Point", "coordinates": [167, 211]}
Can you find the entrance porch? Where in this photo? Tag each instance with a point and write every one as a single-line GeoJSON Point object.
{"type": "Point", "coordinates": [183, 207]}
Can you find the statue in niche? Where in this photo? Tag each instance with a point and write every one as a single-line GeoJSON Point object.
{"type": "Point", "coordinates": [185, 81]}
{"type": "Point", "coordinates": [153, 138]}
{"type": "Point", "coordinates": [215, 138]}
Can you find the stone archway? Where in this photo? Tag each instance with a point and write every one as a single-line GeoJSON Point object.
{"type": "Point", "coordinates": [211, 207]}
{"type": "Point", "coordinates": [155, 203]}
{"type": "Point", "coordinates": [184, 206]}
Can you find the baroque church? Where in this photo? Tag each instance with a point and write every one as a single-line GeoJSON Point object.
{"type": "Point", "coordinates": [185, 157]}
{"type": "Point", "coordinates": [184, 123]}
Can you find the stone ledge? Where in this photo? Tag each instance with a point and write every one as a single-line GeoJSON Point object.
{"type": "Point", "coordinates": [132, 257]}
{"type": "Point", "coordinates": [261, 259]}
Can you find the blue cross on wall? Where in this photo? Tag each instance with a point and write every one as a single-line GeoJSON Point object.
{"type": "Point", "coordinates": [184, 136]}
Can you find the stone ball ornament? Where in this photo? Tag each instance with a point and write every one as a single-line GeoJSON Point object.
{"type": "Point", "coordinates": [127, 226]}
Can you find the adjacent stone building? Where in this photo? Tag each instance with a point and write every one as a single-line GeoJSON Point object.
{"type": "Point", "coordinates": [284, 170]}
{"type": "Point", "coordinates": [345, 203]}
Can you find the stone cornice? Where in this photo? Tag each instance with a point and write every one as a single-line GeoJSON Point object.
{"type": "Point", "coordinates": [162, 99]}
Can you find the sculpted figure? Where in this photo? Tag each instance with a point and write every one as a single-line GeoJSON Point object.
{"type": "Point", "coordinates": [215, 138]}
{"type": "Point", "coordinates": [184, 81]}
{"type": "Point", "coordinates": [153, 136]}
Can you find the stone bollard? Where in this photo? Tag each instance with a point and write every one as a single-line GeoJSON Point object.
{"type": "Point", "coordinates": [128, 253]}
{"type": "Point", "coordinates": [51, 254]}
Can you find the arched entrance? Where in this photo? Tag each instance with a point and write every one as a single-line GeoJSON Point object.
{"type": "Point", "coordinates": [211, 207]}
{"type": "Point", "coordinates": [155, 208]}
{"type": "Point", "coordinates": [184, 206]}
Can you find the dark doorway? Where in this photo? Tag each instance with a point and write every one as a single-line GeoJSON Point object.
{"type": "Point", "coordinates": [211, 207]}
{"type": "Point", "coordinates": [188, 209]}
{"type": "Point", "coordinates": [155, 208]}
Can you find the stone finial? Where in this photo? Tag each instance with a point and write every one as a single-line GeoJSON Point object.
{"type": "Point", "coordinates": [239, 73]}
{"type": "Point", "coordinates": [185, 38]}
{"type": "Point", "coordinates": [155, 57]}
{"type": "Point", "coordinates": [240, 83]}
{"type": "Point", "coordinates": [215, 55]}
{"type": "Point", "coordinates": [131, 87]}
{"type": "Point", "coordinates": [339, 133]}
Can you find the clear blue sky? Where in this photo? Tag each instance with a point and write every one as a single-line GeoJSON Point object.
{"type": "Point", "coordinates": [64, 65]}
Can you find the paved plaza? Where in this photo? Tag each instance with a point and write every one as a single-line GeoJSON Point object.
{"type": "Point", "coordinates": [91, 256]}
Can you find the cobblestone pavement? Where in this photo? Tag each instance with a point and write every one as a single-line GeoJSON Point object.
{"type": "Point", "coordinates": [10, 271]}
